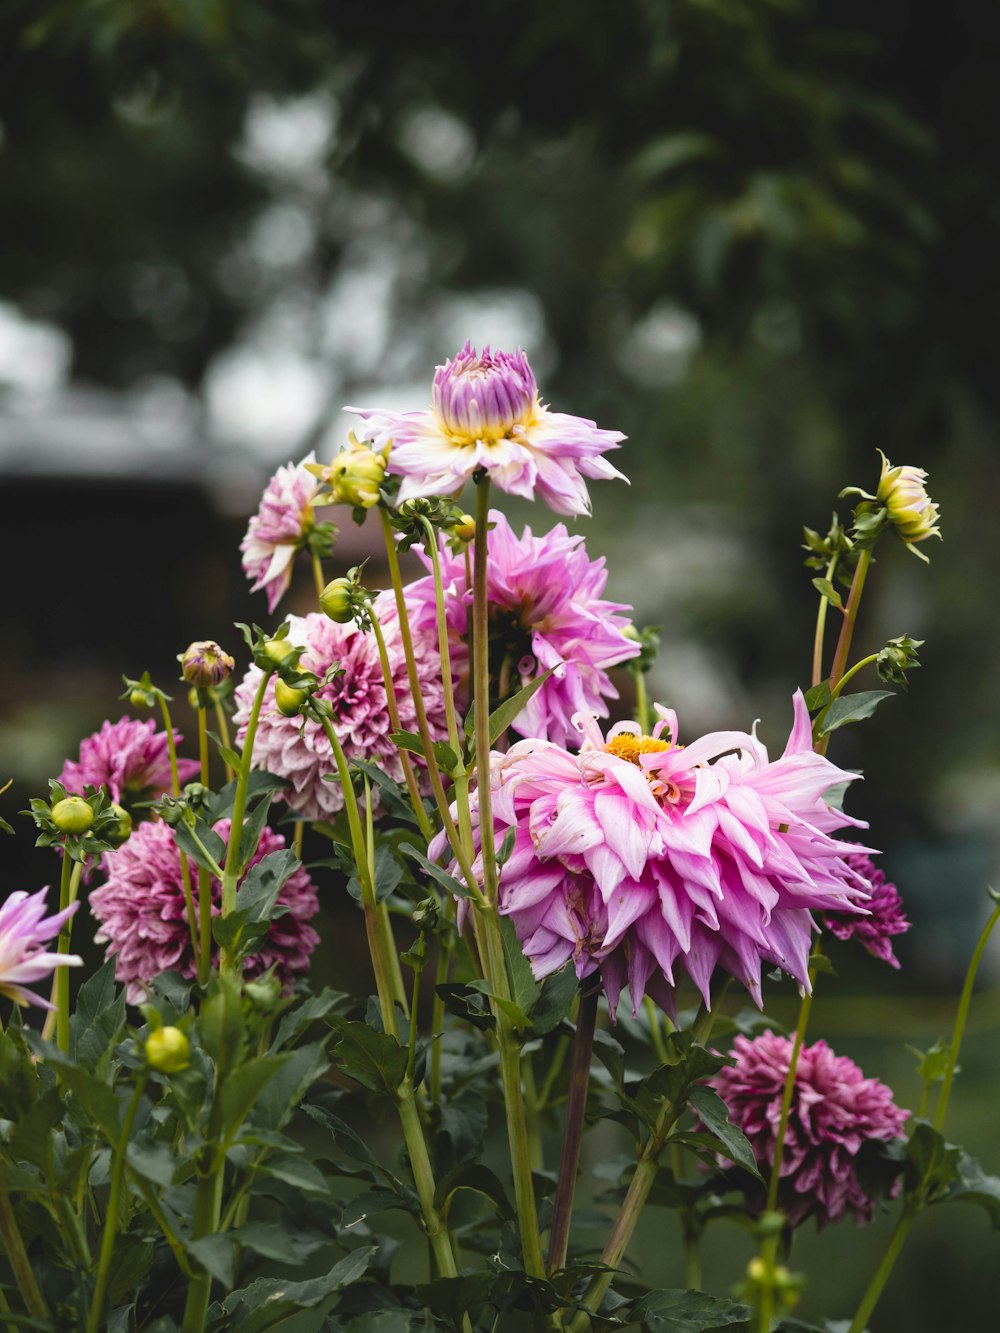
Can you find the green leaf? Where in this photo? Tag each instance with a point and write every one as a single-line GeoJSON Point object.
{"type": "Point", "coordinates": [850, 708]}
{"type": "Point", "coordinates": [690, 1312]}
{"type": "Point", "coordinates": [932, 1165]}
{"type": "Point", "coordinates": [468, 1003]}
{"type": "Point", "coordinates": [446, 758]}
{"type": "Point", "coordinates": [826, 589]}
{"type": "Point", "coordinates": [259, 891]}
{"type": "Point", "coordinates": [289, 1084]}
{"type": "Point", "coordinates": [394, 798]}
{"type": "Point", "coordinates": [388, 872]}
{"type": "Point", "coordinates": [481, 1180]}
{"type": "Point", "coordinates": [215, 1254]}
{"type": "Point", "coordinates": [295, 1022]}
{"type": "Point", "coordinates": [818, 696]}
{"type": "Point", "coordinates": [501, 719]}
{"type": "Point", "coordinates": [975, 1186]}
{"type": "Point", "coordinates": [207, 836]}
{"type": "Point", "coordinates": [611, 1054]}
{"type": "Point", "coordinates": [268, 1301]}
{"type": "Point", "coordinates": [302, 1175]}
{"type": "Point", "coordinates": [374, 1059]}
{"type": "Point", "coordinates": [349, 1143]}
{"type": "Point", "coordinates": [222, 1025]}
{"type": "Point", "coordinates": [369, 1203]}
{"type": "Point", "coordinates": [441, 877]}
{"type": "Point", "coordinates": [241, 1087]}
{"type": "Point", "coordinates": [271, 1240]}
{"type": "Point", "coordinates": [252, 829]}
{"type": "Point", "coordinates": [559, 990]}
{"type": "Point", "coordinates": [524, 989]}
{"type": "Point", "coordinates": [152, 1161]}
{"type": "Point", "coordinates": [714, 1115]}
{"type": "Point", "coordinates": [96, 1026]}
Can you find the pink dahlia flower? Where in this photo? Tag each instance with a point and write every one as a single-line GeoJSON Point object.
{"type": "Point", "coordinates": [24, 930]}
{"type": "Point", "coordinates": [546, 611]}
{"type": "Point", "coordinates": [835, 1111]}
{"type": "Point", "coordinates": [279, 529]}
{"type": "Point", "coordinates": [886, 915]}
{"type": "Point", "coordinates": [486, 414]}
{"type": "Point", "coordinates": [638, 857]}
{"type": "Point", "coordinates": [130, 759]}
{"type": "Point", "coordinates": [298, 750]}
{"type": "Point", "coordinates": [143, 917]}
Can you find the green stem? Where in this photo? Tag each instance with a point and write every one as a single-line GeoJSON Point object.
{"type": "Point", "coordinates": [204, 877]}
{"type": "Point", "coordinates": [426, 828]}
{"type": "Point", "coordinates": [444, 650]}
{"type": "Point", "coordinates": [231, 870]}
{"type": "Point", "coordinates": [96, 1320]}
{"type": "Point", "coordinates": [481, 689]}
{"type": "Point", "coordinates": [383, 922]}
{"type": "Point", "coordinates": [819, 636]}
{"type": "Point", "coordinates": [961, 1017]}
{"type": "Point", "coordinates": [222, 723]}
{"type": "Point", "coordinates": [576, 1107]}
{"type": "Point", "coordinates": [446, 945]}
{"type": "Point", "coordinates": [659, 1046]}
{"type": "Point", "coordinates": [17, 1257]}
{"type": "Point", "coordinates": [175, 788]}
{"type": "Point", "coordinates": [786, 1100]}
{"type": "Point", "coordinates": [318, 576]}
{"type": "Point", "coordinates": [532, 1116]}
{"type": "Point", "coordinates": [642, 714]}
{"type": "Point", "coordinates": [69, 883]}
{"type": "Point", "coordinates": [875, 1288]}
{"type": "Point", "coordinates": [848, 675]}
{"type": "Point", "coordinates": [207, 1210]}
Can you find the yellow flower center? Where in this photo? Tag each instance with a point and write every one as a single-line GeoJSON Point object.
{"type": "Point", "coordinates": [627, 745]}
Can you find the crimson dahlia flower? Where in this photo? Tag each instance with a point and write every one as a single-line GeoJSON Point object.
{"type": "Point", "coordinates": [885, 917]}
{"type": "Point", "coordinates": [835, 1111]}
{"type": "Point", "coordinates": [127, 758]}
{"type": "Point", "coordinates": [486, 414]}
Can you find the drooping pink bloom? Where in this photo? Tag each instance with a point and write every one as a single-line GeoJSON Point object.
{"type": "Point", "coordinates": [279, 529]}
{"type": "Point", "coordinates": [546, 611]}
{"type": "Point", "coordinates": [24, 931]}
{"type": "Point", "coordinates": [129, 758]}
{"type": "Point", "coordinates": [642, 858]}
{"type": "Point", "coordinates": [298, 750]}
{"type": "Point", "coordinates": [886, 914]}
{"type": "Point", "coordinates": [486, 414]}
{"type": "Point", "coordinates": [143, 916]}
{"type": "Point", "coordinates": [835, 1111]}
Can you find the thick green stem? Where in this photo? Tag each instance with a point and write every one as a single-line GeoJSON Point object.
{"type": "Point", "coordinates": [481, 689]}
{"type": "Point", "coordinates": [786, 1100]}
{"type": "Point", "coordinates": [875, 1288]}
{"type": "Point", "coordinates": [222, 722]}
{"type": "Point", "coordinates": [17, 1257]}
{"type": "Point", "coordinates": [961, 1017]}
{"type": "Point", "coordinates": [848, 676]}
{"type": "Point", "coordinates": [318, 576]}
{"type": "Point", "coordinates": [446, 946]}
{"type": "Point", "coordinates": [576, 1106]}
{"type": "Point", "coordinates": [819, 636]}
{"type": "Point", "coordinates": [234, 855]}
{"type": "Point", "coordinates": [642, 714]}
{"type": "Point", "coordinates": [69, 884]}
{"type": "Point", "coordinates": [204, 876]}
{"type": "Point", "coordinates": [96, 1320]}
{"type": "Point", "coordinates": [207, 1210]}
{"type": "Point", "coordinates": [175, 788]}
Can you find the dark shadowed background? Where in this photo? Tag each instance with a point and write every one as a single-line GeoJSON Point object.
{"type": "Point", "coordinates": [759, 237]}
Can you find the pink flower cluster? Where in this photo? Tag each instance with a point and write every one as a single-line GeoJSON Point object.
{"type": "Point", "coordinates": [129, 758]}
{"type": "Point", "coordinates": [546, 611]}
{"type": "Point", "coordinates": [640, 858]}
{"type": "Point", "coordinates": [298, 750]}
{"type": "Point", "coordinates": [486, 416]}
{"type": "Point", "coordinates": [143, 916]}
{"type": "Point", "coordinates": [835, 1110]}
{"type": "Point", "coordinates": [885, 917]}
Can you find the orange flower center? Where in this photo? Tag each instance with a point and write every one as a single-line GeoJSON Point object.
{"type": "Point", "coordinates": [627, 745]}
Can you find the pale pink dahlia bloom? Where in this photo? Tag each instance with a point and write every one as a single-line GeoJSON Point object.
{"type": "Point", "coordinates": [639, 857]}
{"type": "Point", "coordinates": [279, 529]}
{"type": "Point", "coordinates": [546, 611]}
{"type": "Point", "coordinates": [486, 414]}
{"type": "Point", "coordinates": [143, 917]}
{"type": "Point", "coordinates": [297, 748]}
{"type": "Point", "coordinates": [129, 759]}
{"type": "Point", "coordinates": [885, 917]}
{"type": "Point", "coordinates": [24, 930]}
{"type": "Point", "coordinates": [835, 1111]}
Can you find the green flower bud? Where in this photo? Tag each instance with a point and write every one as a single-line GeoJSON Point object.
{"type": "Point", "coordinates": [140, 698]}
{"type": "Point", "coordinates": [168, 1050]}
{"type": "Point", "coordinates": [354, 477]}
{"type": "Point", "coordinates": [205, 664]}
{"type": "Point", "coordinates": [289, 701]}
{"type": "Point", "coordinates": [337, 600]}
{"type": "Point", "coordinates": [122, 831]}
{"type": "Point", "coordinates": [264, 994]}
{"type": "Point", "coordinates": [276, 650]}
{"type": "Point", "coordinates": [465, 528]}
{"type": "Point", "coordinates": [72, 815]}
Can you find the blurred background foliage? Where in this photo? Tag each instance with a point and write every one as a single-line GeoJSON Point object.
{"type": "Point", "coordinates": [759, 236]}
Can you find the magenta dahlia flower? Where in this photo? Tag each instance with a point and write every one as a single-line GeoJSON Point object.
{"type": "Point", "coordinates": [298, 750]}
{"type": "Point", "coordinates": [486, 414]}
{"type": "Point", "coordinates": [885, 917]}
{"type": "Point", "coordinates": [546, 611]}
{"type": "Point", "coordinates": [24, 931]}
{"type": "Point", "coordinates": [835, 1111]}
{"type": "Point", "coordinates": [279, 529]}
{"type": "Point", "coordinates": [129, 759]}
{"type": "Point", "coordinates": [143, 917]}
{"type": "Point", "coordinates": [639, 857]}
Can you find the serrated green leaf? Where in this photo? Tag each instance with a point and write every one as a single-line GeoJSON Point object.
{"type": "Point", "coordinates": [449, 882]}
{"type": "Point", "coordinates": [850, 708]}
{"type": "Point", "coordinates": [690, 1312]}
{"type": "Point", "coordinates": [268, 1301]}
{"type": "Point", "coordinates": [241, 1087]}
{"type": "Point", "coordinates": [559, 990]}
{"type": "Point", "coordinates": [714, 1114]}
{"type": "Point", "coordinates": [481, 1180]}
{"type": "Point", "coordinates": [272, 1241]}
{"type": "Point", "coordinates": [215, 1254]}
{"type": "Point", "coordinates": [375, 1059]}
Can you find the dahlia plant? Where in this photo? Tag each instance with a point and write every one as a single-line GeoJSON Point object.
{"type": "Point", "coordinates": [211, 1135]}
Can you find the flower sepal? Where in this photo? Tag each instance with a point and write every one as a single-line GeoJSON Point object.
{"type": "Point", "coordinates": [83, 825]}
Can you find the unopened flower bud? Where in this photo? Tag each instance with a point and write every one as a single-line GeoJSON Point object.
{"type": "Point", "coordinates": [168, 1050]}
{"type": "Point", "coordinates": [289, 701]}
{"type": "Point", "coordinates": [354, 477]}
{"type": "Point", "coordinates": [910, 509]}
{"type": "Point", "coordinates": [72, 815]}
{"type": "Point", "coordinates": [465, 528]}
{"type": "Point", "coordinates": [264, 994]}
{"type": "Point", "coordinates": [140, 698]}
{"type": "Point", "coordinates": [337, 599]}
{"type": "Point", "coordinates": [122, 831]}
{"type": "Point", "coordinates": [276, 650]}
{"type": "Point", "coordinates": [205, 664]}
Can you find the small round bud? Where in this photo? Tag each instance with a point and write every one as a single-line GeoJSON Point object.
{"type": "Point", "coordinates": [263, 994]}
{"type": "Point", "coordinates": [337, 599]}
{"type": "Point", "coordinates": [72, 815]}
{"type": "Point", "coordinates": [465, 528]}
{"type": "Point", "coordinates": [276, 650]}
{"type": "Point", "coordinates": [122, 831]}
{"type": "Point", "coordinates": [140, 698]}
{"type": "Point", "coordinates": [168, 1050]}
{"type": "Point", "coordinates": [205, 664]}
{"type": "Point", "coordinates": [354, 477]}
{"type": "Point", "coordinates": [630, 632]}
{"type": "Point", "coordinates": [288, 700]}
